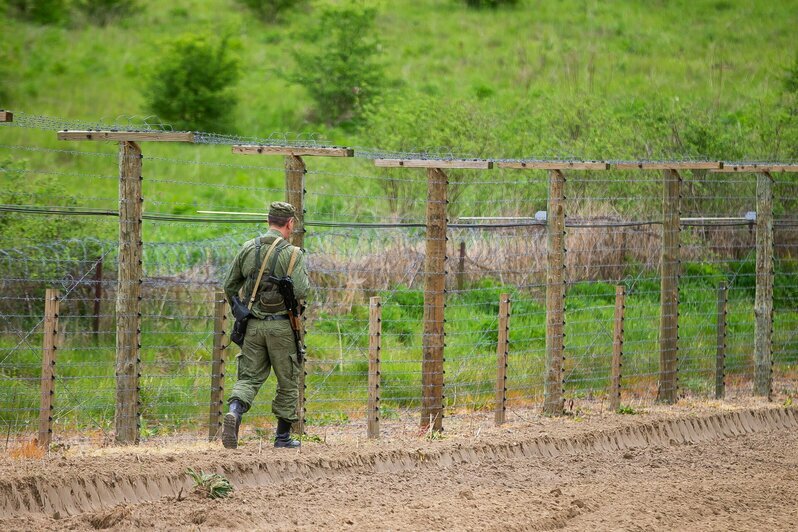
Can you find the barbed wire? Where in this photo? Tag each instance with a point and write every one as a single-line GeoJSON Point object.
{"type": "Point", "coordinates": [364, 239]}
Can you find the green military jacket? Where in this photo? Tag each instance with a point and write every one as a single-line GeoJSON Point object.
{"type": "Point", "coordinates": [243, 270]}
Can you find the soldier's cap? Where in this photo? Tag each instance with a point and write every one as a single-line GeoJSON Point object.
{"type": "Point", "coordinates": [281, 209]}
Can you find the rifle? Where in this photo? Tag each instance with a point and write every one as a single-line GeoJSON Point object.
{"type": "Point", "coordinates": [285, 285]}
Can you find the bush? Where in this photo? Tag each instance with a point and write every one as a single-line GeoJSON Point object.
{"type": "Point", "coordinates": [415, 123]}
{"type": "Point", "coordinates": [102, 12]}
{"type": "Point", "coordinates": [791, 78]}
{"type": "Point", "coordinates": [38, 11]}
{"type": "Point", "coordinates": [339, 69]}
{"type": "Point", "coordinates": [191, 85]}
{"type": "Point", "coordinates": [493, 4]}
{"type": "Point", "coordinates": [270, 10]}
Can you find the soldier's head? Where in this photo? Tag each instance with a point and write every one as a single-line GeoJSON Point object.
{"type": "Point", "coordinates": [282, 216]}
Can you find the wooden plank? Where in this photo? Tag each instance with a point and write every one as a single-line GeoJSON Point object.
{"type": "Point", "coordinates": [128, 294]}
{"type": "Point", "coordinates": [753, 168]}
{"type": "Point", "coordinates": [763, 297]}
{"type": "Point", "coordinates": [617, 348]}
{"type": "Point", "coordinates": [49, 347]}
{"type": "Point", "coordinates": [295, 151]}
{"type": "Point", "coordinates": [502, 353]}
{"type": "Point", "coordinates": [434, 301]}
{"type": "Point", "coordinates": [128, 136]}
{"type": "Point", "coordinates": [720, 358]}
{"type": "Point", "coordinates": [6, 116]}
{"type": "Point", "coordinates": [669, 286]}
{"type": "Point", "coordinates": [461, 267]}
{"type": "Point", "coordinates": [432, 163]}
{"type": "Point", "coordinates": [98, 297]}
{"type": "Point", "coordinates": [375, 345]}
{"type": "Point", "coordinates": [667, 165]}
{"type": "Point", "coordinates": [216, 407]}
{"type": "Point", "coordinates": [295, 171]}
{"type": "Point", "coordinates": [555, 295]}
{"type": "Point", "coordinates": [555, 165]}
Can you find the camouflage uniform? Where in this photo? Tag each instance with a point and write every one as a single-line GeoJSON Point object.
{"type": "Point", "coordinates": [268, 343]}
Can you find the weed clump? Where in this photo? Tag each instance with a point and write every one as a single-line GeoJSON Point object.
{"type": "Point", "coordinates": [210, 485]}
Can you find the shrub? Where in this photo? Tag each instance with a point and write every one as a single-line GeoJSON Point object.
{"type": "Point", "coordinates": [191, 85]}
{"type": "Point", "coordinates": [492, 4]}
{"type": "Point", "coordinates": [270, 10]}
{"type": "Point", "coordinates": [102, 12]}
{"type": "Point", "coordinates": [339, 69]}
{"type": "Point", "coordinates": [791, 78]}
{"type": "Point", "coordinates": [39, 11]}
{"type": "Point", "coordinates": [415, 123]}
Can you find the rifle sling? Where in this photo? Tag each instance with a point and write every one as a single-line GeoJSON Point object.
{"type": "Point", "coordinates": [292, 262]}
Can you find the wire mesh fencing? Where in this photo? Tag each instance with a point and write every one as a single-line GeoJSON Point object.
{"type": "Point", "coordinates": [660, 274]}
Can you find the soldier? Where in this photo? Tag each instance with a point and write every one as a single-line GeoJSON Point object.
{"type": "Point", "coordinates": [269, 341]}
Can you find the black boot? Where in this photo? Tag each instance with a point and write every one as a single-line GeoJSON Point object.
{"type": "Point", "coordinates": [283, 436]}
{"type": "Point", "coordinates": [232, 420]}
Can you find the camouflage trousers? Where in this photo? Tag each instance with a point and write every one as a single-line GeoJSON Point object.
{"type": "Point", "coordinates": [269, 344]}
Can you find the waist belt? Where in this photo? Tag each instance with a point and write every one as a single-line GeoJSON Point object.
{"type": "Point", "coordinates": [272, 317]}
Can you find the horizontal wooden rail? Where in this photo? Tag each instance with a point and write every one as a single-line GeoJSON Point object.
{"type": "Point", "coordinates": [297, 151]}
{"type": "Point", "coordinates": [433, 163]}
{"type": "Point", "coordinates": [741, 168]}
{"type": "Point", "coordinates": [129, 136]}
{"type": "Point", "coordinates": [555, 165]}
{"type": "Point", "coordinates": [667, 165]}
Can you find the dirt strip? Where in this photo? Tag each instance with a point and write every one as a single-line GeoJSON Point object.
{"type": "Point", "coordinates": [109, 487]}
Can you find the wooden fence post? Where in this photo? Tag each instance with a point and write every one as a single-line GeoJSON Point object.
{"type": "Point", "coordinates": [6, 116]}
{"type": "Point", "coordinates": [375, 345]}
{"type": "Point", "coordinates": [763, 299]}
{"type": "Point", "coordinates": [461, 267]}
{"type": "Point", "coordinates": [49, 347]}
{"type": "Point", "coordinates": [720, 359]}
{"type": "Point", "coordinates": [669, 291]}
{"type": "Point", "coordinates": [502, 353]}
{"type": "Point", "coordinates": [130, 277]}
{"type": "Point", "coordinates": [128, 300]}
{"type": "Point", "coordinates": [434, 301]}
{"type": "Point", "coordinates": [295, 171]}
{"type": "Point", "coordinates": [215, 411]}
{"type": "Point", "coordinates": [98, 295]}
{"type": "Point", "coordinates": [555, 295]}
{"type": "Point", "coordinates": [617, 348]}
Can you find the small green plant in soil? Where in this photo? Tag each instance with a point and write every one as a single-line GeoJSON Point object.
{"type": "Point", "coordinates": [210, 485]}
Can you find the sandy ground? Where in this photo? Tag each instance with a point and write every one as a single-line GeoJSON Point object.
{"type": "Point", "coordinates": [698, 477]}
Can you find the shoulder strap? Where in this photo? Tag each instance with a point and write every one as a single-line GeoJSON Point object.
{"type": "Point", "coordinates": [260, 273]}
{"type": "Point", "coordinates": [273, 264]}
{"type": "Point", "coordinates": [292, 262]}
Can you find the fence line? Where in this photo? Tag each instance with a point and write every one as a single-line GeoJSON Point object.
{"type": "Point", "coordinates": [443, 267]}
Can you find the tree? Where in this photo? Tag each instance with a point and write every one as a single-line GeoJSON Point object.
{"type": "Point", "coordinates": [479, 4]}
{"type": "Point", "coordinates": [191, 86]}
{"type": "Point", "coordinates": [38, 11]}
{"type": "Point", "coordinates": [270, 10]}
{"type": "Point", "coordinates": [102, 12]}
{"type": "Point", "coordinates": [340, 67]}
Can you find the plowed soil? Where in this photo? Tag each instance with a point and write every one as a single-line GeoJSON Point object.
{"type": "Point", "coordinates": [684, 468]}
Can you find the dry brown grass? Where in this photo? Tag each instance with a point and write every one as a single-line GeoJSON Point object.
{"type": "Point", "coordinates": [30, 450]}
